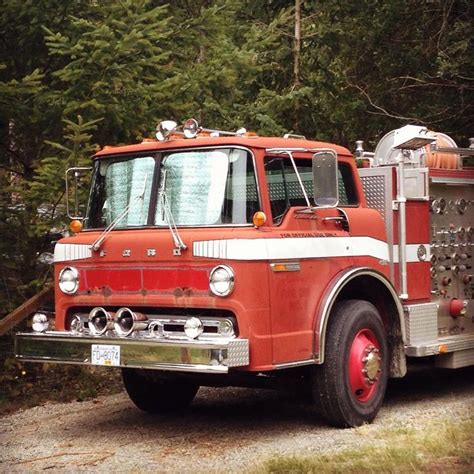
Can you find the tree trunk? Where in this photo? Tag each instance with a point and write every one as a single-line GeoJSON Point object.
{"type": "Point", "coordinates": [297, 44]}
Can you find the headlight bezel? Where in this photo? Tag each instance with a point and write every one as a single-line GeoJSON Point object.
{"type": "Point", "coordinates": [230, 281]}
{"type": "Point", "coordinates": [75, 278]}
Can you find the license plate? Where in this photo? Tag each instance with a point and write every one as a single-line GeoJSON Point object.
{"type": "Point", "coordinates": [105, 355]}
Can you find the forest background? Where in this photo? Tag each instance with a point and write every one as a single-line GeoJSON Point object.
{"type": "Point", "coordinates": [79, 74]}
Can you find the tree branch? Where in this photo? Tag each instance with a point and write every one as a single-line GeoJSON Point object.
{"type": "Point", "coordinates": [11, 170]}
{"type": "Point", "coordinates": [381, 110]}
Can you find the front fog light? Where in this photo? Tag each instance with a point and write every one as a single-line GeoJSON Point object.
{"type": "Point", "coordinates": [68, 280]}
{"type": "Point", "coordinates": [40, 322]}
{"type": "Point", "coordinates": [193, 328]}
{"type": "Point", "coordinates": [226, 328]}
{"type": "Point", "coordinates": [221, 280]}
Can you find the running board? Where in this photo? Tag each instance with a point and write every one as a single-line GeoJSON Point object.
{"type": "Point", "coordinates": [462, 344]}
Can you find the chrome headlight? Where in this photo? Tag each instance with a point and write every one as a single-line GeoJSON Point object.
{"type": "Point", "coordinates": [40, 322]}
{"type": "Point", "coordinates": [68, 280]}
{"type": "Point", "coordinates": [221, 280]}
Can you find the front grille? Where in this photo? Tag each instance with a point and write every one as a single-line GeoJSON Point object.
{"type": "Point", "coordinates": [170, 322]}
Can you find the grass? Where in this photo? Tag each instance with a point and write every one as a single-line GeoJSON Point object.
{"type": "Point", "coordinates": [440, 446]}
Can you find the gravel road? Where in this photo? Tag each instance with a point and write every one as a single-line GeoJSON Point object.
{"type": "Point", "coordinates": [225, 430]}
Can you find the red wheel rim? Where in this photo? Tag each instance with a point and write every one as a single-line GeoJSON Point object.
{"type": "Point", "coordinates": [365, 365]}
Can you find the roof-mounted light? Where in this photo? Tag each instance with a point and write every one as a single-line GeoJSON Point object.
{"type": "Point", "coordinates": [165, 129]}
{"type": "Point", "coordinates": [191, 128]}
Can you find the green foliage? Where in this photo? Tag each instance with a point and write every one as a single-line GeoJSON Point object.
{"type": "Point", "coordinates": [441, 446]}
{"type": "Point", "coordinates": [46, 190]}
{"type": "Point", "coordinates": [87, 72]}
{"type": "Point", "coordinates": [117, 66]}
{"type": "Point", "coordinates": [384, 64]}
{"type": "Point", "coordinates": [77, 63]}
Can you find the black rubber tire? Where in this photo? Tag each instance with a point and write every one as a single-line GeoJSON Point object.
{"type": "Point", "coordinates": [153, 393]}
{"type": "Point", "coordinates": [331, 384]}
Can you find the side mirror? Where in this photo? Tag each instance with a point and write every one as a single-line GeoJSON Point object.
{"type": "Point", "coordinates": [76, 185]}
{"type": "Point", "coordinates": [325, 179]}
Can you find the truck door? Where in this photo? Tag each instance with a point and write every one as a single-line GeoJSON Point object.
{"type": "Point", "coordinates": [308, 252]}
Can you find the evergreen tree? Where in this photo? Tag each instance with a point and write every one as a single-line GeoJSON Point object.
{"type": "Point", "coordinates": [108, 62]}
{"type": "Point", "coordinates": [76, 73]}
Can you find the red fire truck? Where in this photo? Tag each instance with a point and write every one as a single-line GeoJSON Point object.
{"type": "Point", "coordinates": [215, 258]}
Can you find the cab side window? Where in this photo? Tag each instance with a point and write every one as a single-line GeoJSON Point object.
{"type": "Point", "coordinates": [277, 188]}
{"type": "Point", "coordinates": [285, 190]}
{"type": "Point", "coordinates": [347, 190]}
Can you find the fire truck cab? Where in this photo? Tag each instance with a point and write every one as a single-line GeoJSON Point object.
{"type": "Point", "coordinates": [216, 258]}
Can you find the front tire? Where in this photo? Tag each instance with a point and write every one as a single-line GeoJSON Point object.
{"type": "Point", "coordinates": [153, 393]}
{"type": "Point", "coordinates": [350, 385]}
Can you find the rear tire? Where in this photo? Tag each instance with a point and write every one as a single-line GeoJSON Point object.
{"type": "Point", "coordinates": [153, 393]}
{"type": "Point", "coordinates": [350, 385]}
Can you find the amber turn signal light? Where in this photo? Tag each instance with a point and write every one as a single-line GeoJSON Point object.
{"type": "Point", "coordinates": [443, 349]}
{"type": "Point", "coordinates": [259, 218]}
{"type": "Point", "coordinates": [75, 226]}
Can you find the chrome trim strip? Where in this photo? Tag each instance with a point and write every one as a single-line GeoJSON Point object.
{"type": "Point", "coordinates": [299, 363]}
{"type": "Point", "coordinates": [402, 225]}
{"type": "Point", "coordinates": [187, 356]}
{"type": "Point", "coordinates": [69, 252]}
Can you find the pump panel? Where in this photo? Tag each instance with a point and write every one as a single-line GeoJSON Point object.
{"type": "Point", "coordinates": [452, 246]}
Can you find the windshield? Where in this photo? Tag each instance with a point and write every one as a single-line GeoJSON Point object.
{"type": "Point", "coordinates": [116, 185]}
{"type": "Point", "coordinates": [197, 187]}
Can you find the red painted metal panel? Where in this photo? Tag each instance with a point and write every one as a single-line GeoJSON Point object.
{"type": "Point", "coordinates": [150, 279]}
{"type": "Point", "coordinates": [418, 222]}
{"type": "Point", "coordinates": [418, 281]}
{"type": "Point", "coordinates": [170, 278]}
{"type": "Point", "coordinates": [117, 279]}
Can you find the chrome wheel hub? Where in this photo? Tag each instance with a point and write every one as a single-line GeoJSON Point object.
{"type": "Point", "coordinates": [371, 364]}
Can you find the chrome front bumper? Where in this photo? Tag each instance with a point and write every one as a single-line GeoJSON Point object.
{"type": "Point", "coordinates": [173, 355]}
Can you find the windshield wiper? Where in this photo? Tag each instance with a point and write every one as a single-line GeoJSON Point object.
{"type": "Point", "coordinates": [100, 240]}
{"type": "Point", "coordinates": [167, 215]}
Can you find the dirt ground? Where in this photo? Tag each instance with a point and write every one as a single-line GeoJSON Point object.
{"type": "Point", "coordinates": [225, 430]}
